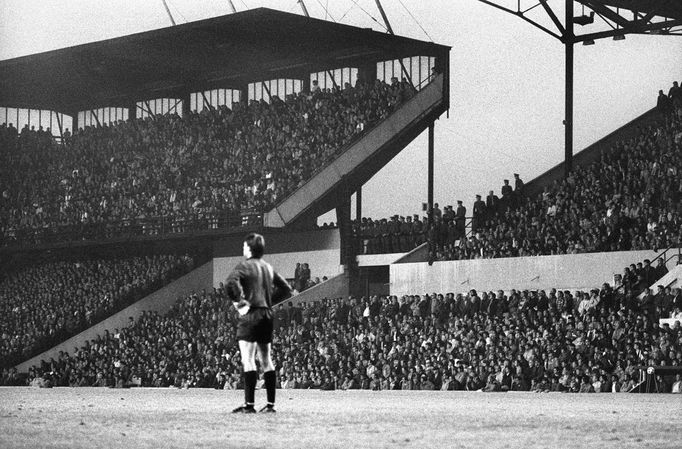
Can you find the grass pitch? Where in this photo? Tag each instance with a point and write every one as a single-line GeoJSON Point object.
{"type": "Point", "coordinates": [168, 418]}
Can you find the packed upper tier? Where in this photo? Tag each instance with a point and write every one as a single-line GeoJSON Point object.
{"type": "Point", "coordinates": [629, 199]}
{"type": "Point", "coordinates": [172, 174]}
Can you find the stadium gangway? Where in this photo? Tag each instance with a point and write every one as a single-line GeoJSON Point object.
{"type": "Point", "coordinates": [332, 185]}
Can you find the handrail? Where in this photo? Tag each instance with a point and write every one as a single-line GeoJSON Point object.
{"type": "Point", "coordinates": [343, 148]}
{"type": "Point", "coordinates": [147, 226]}
{"type": "Point", "coordinates": [662, 254]}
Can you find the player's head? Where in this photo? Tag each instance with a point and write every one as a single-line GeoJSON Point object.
{"type": "Point", "coordinates": [254, 246]}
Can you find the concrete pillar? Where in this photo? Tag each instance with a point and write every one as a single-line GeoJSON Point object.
{"type": "Point", "coordinates": [186, 104]}
{"type": "Point", "coordinates": [367, 73]}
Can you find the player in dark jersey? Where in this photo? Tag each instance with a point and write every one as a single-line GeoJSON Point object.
{"type": "Point", "coordinates": [254, 287]}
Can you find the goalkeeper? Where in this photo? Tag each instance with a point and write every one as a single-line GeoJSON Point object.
{"type": "Point", "coordinates": [254, 287]}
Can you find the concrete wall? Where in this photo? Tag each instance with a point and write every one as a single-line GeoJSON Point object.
{"type": "Point", "coordinates": [374, 260]}
{"type": "Point", "coordinates": [577, 271]}
{"type": "Point", "coordinates": [160, 301]}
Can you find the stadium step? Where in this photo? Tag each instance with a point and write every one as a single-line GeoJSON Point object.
{"type": "Point", "coordinates": [672, 279]}
{"type": "Point", "coordinates": [335, 287]}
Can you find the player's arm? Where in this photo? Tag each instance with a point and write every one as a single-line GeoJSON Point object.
{"type": "Point", "coordinates": [282, 290]}
{"type": "Point", "coordinates": [233, 287]}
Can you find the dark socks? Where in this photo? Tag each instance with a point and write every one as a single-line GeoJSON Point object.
{"type": "Point", "coordinates": [250, 379]}
{"type": "Point", "coordinates": [270, 385]}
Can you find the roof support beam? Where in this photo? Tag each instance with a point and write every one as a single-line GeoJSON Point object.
{"type": "Point", "coordinates": [568, 119]}
{"type": "Point", "coordinates": [266, 86]}
{"type": "Point", "coordinates": [553, 16]}
{"type": "Point", "coordinates": [147, 108]}
{"type": "Point", "coordinates": [59, 124]}
{"type": "Point", "coordinates": [305, 10]}
{"type": "Point", "coordinates": [630, 28]}
{"type": "Point", "coordinates": [331, 75]}
{"type": "Point", "coordinates": [170, 16]}
{"type": "Point", "coordinates": [390, 31]}
{"type": "Point", "coordinates": [521, 16]}
{"type": "Point", "coordinates": [175, 106]}
{"type": "Point", "coordinates": [383, 16]}
{"type": "Point", "coordinates": [608, 13]}
{"type": "Point", "coordinates": [92, 112]}
{"type": "Point", "coordinates": [206, 102]}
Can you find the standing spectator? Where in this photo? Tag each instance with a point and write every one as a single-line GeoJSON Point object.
{"type": "Point", "coordinates": [660, 270]}
{"type": "Point", "coordinates": [298, 286]}
{"type": "Point", "coordinates": [518, 187]}
{"type": "Point", "coordinates": [663, 104]}
{"type": "Point", "coordinates": [491, 203]}
{"type": "Point", "coordinates": [305, 276]}
{"type": "Point", "coordinates": [478, 213]}
{"type": "Point", "coordinates": [460, 219]}
{"type": "Point", "coordinates": [675, 95]}
{"type": "Point", "coordinates": [507, 192]}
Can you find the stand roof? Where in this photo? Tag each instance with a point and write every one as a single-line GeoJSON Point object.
{"type": "Point", "coordinates": [228, 51]}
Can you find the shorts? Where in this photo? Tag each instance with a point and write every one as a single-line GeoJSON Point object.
{"type": "Point", "coordinates": [256, 325]}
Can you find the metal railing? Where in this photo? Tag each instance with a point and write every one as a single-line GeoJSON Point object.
{"type": "Point", "coordinates": [126, 229]}
{"type": "Point", "coordinates": [664, 255]}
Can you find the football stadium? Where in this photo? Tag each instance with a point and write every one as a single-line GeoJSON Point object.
{"type": "Point", "coordinates": [440, 267]}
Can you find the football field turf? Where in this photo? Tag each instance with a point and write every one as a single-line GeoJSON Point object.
{"type": "Point", "coordinates": [198, 418]}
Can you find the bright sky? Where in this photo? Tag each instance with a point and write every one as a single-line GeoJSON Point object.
{"type": "Point", "coordinates": [507, 92]}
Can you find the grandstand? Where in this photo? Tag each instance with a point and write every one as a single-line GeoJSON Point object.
{"type": "Point", "coordinates": [161, 163]}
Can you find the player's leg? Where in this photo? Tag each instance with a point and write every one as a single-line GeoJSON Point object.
{"type": "Point", "coordinates": [269, 374]}
{"type": "Point", "coordinates": [248, 353]}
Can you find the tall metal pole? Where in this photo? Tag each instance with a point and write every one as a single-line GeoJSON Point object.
{"type": "Point", "coordinates": [383, 16]}
{"type": "Point", "coordinates": [168, 11]}
{"type": "Point", "coordinates": [232, 8]}
{"type": "Point", "coordinates": [390, 31]}
{"type": "Point", "coordinates": [430, 173]}
{"type": "Point", "coordinates": [568, 121]}
{"type": "Point", "coordinates": [305, 10]}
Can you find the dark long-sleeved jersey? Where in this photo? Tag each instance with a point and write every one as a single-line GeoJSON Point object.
{"type": "Point", "coordinates": [260, 285]}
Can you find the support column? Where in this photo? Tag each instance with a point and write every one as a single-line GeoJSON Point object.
{"type": "Point", "coordinates": [186, 104]}
{"type": "Point", "coordinates": [367, 73]}
{"type": "Point", "coordinates": [430, 172]}
{"type": "Point", "coordinates": [358, 204]}
{"type": "Point", "coordinates": [244, 93]}
{"type": "Point", "coordinates": [568, 121]}
{"type": "Point", "coordinates": [344, 223]}
{"type": "Point", "coordinates": [132, 111]}
{"type": "Point", "coordinates": [74, 122]}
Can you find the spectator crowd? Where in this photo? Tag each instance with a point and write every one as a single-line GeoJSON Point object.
{"type": "Point", "coordinates": [629, 199]}
{"type": "Point", "coordinates": [195, 169]}
{"type": "Point", "coordinates": [492, 341]}
{"type": "Point", "coordinates": [50, 301]}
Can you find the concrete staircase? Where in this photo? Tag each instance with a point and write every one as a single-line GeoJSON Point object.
{"type": "Point", "coordinates": [672, 279]}
{"type": "Point", "coordinates": [362, 158]}
{"type": "Point", "coordinates": [334, 287]}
